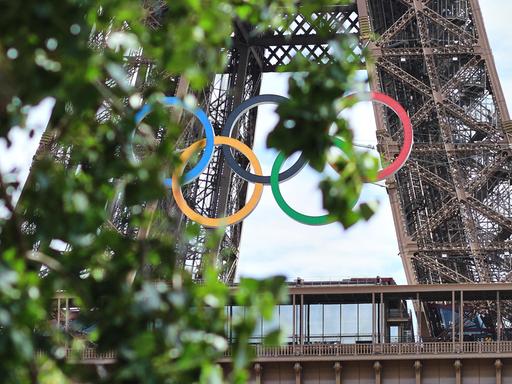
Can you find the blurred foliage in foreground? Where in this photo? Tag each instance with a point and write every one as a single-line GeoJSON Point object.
{"type": "Point", "coordinates": [170, 332]}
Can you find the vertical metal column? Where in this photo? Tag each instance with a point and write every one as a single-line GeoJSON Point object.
{"type": "Point", "coordinates": [382, 320]}
{"type": "Point", "coordinates": [373, 318]}
{"type": "Point", "coordinates": [498, 319]}
{"type": "Point", "coordinates": [301, 325]}
{"type": "Point", "coordinates": [453, 317]}
{"type": "Point", "coordinates": [461, 319]}
{"type": "Point", "coordinates": [238, 93]}
{"type": "Point", "coordinates": [418, 315]}
{"type": "Point", "coordinates": [294, 319]}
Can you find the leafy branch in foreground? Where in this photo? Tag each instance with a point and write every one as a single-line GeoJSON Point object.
{"type": "Point", "coordinates": [133, 295]}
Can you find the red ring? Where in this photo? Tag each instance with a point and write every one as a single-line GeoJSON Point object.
{"type": "Point", "coordinates": [405, 152]}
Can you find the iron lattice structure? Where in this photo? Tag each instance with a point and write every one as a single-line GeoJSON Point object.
{"type": "Point", "coordinates": [219, 191]}
{"type": "Point", "coordinates": [451, 202]}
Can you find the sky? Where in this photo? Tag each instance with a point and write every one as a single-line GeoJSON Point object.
{"type": "Point", "coordinates": [272, 243]}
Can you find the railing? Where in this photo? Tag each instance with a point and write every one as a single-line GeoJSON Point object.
{"type": "Point", "coordinates": [87, 354]}
{"type": "Point", "coordinates": [325, 350]}
{"type": "Point", "coordinates": [430, 348]}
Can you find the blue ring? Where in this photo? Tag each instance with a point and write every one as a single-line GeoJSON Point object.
{"type": "Point", "coordinates": [208, 129]}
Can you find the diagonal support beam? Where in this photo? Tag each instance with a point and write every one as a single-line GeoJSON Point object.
{"type": "Point", "coordinates": [423, 112]}
{"type": "Point", "coordinates": [490, 213]}
{"type": "Point", "coordinates": [462, 115]}
{"type": "Point", "coordinates": [461, 76]}
{"type": "Point", "coordinates": [446, 211]}
{"type": "Point", "coordinates": [396, 27]}
{"type": "Point", "coordinates": [434, 179]}
{"type": "Point", "coordinates": [487, 172]}
{"type": "Point", "coordinates": [400, 74]}
{"type": "Point", "coordinates": [443, 270]}
{"type": "Point", "coordinates": [447, 25]}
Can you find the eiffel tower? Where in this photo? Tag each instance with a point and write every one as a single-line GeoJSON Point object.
{"type": "Point", "coordinates": [451, 201]}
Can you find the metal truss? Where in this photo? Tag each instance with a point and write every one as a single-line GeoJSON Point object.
{"type": "Point", "coordinates": [452, 200]}
{"type": "Point", "coordinates": [218, 191]}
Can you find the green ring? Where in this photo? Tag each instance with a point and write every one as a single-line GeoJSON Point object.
{"type": "Point", "coordinates": [295, 215]}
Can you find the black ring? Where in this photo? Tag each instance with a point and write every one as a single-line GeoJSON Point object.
{"type": "Point", "coordinates": [228, 128]}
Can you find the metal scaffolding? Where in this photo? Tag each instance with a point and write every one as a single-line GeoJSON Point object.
{"type": "Point", "coordinates": [451, 201]}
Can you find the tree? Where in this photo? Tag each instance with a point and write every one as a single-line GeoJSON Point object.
{"type": "Point", "coordinates": [74, 51]}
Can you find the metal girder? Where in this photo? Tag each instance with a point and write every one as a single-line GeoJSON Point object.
{"type": "Point", "coordinates": [441, 51]}
{"type": "Point", "coordinates": [399, 73]}
{"type": "Point", "coordinates": [302, 35]}
{"type": "Point", "coordinates": [457, 249]}
{"type": "Point", "coordinates": [461, 114]}
{"type": "Point", "coordinates": [423, 112]}
{"type": "Point", "coordinates": [470, 148]}
{"type": "Point", "coordinates": [490, 213]}
{"type": "Point", "coordinates": [396, 27]}
{"type": "Point", "coordinates": [488, 171]}
{"type": "Point", "coordinates": [434, 58]}
{"type": "Point", "coordinates": [453, 197]}
{"type": "Point", "coordinates": [448, 26]}
{"type": "Point", "coordinates": [443, 270]}
{"type": "Point", "coordinates": [433, 179]}
{"type": "Point", "coordinates": [444, 213]}
{"type": "Point", "coordinates": [461, 76]}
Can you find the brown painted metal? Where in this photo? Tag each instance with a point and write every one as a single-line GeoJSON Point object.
{"type": "Point", "coordinates": [451, 202]}
{"type": "Point", "coordinates": [452, 210]}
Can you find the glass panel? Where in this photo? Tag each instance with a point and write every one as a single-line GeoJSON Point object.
{"type": "Point", "coordinates": [237, 312]}
{"type": "Point", "coordinates": [348, 323]}
{"type": "Point", "coordinates": [315, 322]}
{"type": "Point", "coordinates": [286, 321]}
{"type": "Point", "coordinates": [393, 334]}
{"type": "Point", "coordinates": [227, 324]}
{"type": "Point", "coordinates": [332, 324]}
{"type": "Point", "coordinates": [298, 321]}
{"type": "Point", "coordinates": [257, 335]}
{"type": "Point", "coordinates": [273, 323]}
{"type": "Point", "coordinates": [365, 322]}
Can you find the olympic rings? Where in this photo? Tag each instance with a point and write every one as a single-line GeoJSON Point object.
{"type": "Point", "coordinates": [209, 133]}
{"type": "Point", "coordinates": [227, 131]}
{"type": "Point", "coordinates": [229, 220]}
{"type": "Point", "coordinates": [276, 177]}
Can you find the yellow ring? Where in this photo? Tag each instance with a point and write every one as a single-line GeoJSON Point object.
{"type": "Point", "coordinates": [223, 221]}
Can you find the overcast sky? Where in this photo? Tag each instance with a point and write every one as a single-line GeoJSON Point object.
{"type": "Point", "coordinates": [272, 243]}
